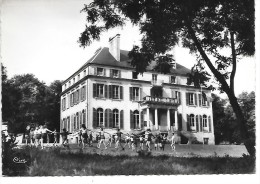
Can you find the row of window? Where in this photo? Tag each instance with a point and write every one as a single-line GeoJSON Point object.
{"type": "Point", "coordinates": [107, 91]}
{"type": "Point", "coordinates": [192, 99]}
{"type": "Point", "coordinates": [108, 118]}
{"type": "Point", "coordinates": [198, 123]}
{"type": "Point", "coordinates": [70, 83]}
{"type": "Point", "coordinates": [74, 98]}
{"type": "Point", "coordinates": [117, 74]}
{"type": "Point", "coordinates": [73, 122]}
{"type": "Point", "coordinates": [115, 119]}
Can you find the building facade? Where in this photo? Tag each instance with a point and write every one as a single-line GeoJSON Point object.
{"type": "Point", "coordinates": [107, 92]}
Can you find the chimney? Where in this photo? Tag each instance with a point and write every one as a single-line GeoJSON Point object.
{"type": "Point", "coordinates": [114, 47]}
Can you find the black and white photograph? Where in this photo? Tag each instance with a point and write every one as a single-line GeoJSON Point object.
{"type": "Point", "coordinates": [102, 88]}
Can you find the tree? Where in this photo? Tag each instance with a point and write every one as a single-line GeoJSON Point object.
{"type": "Point", "coordinates": [205, 27]}
{"type": "Point", "coordinates": [220, 126]}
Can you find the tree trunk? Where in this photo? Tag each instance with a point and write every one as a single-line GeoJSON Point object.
{"type": "Point", "coordinates": [249, 142]}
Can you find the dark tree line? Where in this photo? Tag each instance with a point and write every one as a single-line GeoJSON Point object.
{"type": "Point", "coordinates": [226, 128]}
{"type": "Point", "coordinates": [26, 100]}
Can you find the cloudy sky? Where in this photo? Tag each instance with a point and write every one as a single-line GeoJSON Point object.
{"type": "Point", "coordinates": [40, 37]}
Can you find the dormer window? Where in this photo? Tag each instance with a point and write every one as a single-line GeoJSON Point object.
{"type": "Point", "coordinates": [69, 83]}
{"type": "Point", "coordinates": [78, 77]}
{"type": "Point", "coordinates": [100, 71]}
{"type": "Point", "coordinates": [135, 75]}
{"type": "Point", "coordinates": [115, 73]}
{"type": "Point", "coordinates": [73, 80]}
{"type": "Point", "coordinates": [84, 73]}
{"type": "Point", "coordinates": [172, 79]}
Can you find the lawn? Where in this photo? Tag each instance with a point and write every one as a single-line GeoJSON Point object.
{"type": "Point", "coordinates": [93, 162]}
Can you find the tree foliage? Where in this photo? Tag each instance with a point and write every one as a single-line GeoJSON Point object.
{"type": "Point", "coordinates": [26, 100]}
{"type": "Point", "coordinates": [205, 27]}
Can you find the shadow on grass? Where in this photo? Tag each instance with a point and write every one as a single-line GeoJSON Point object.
{"type": "Point", "coordinates": [54, 162]}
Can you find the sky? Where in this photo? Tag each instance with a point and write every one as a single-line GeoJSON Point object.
{"type": "Point", "coordinates": [40, 37]}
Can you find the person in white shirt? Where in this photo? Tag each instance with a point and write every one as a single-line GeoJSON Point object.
{"type": "Point", "coordinates": [44, 130]}
{"type": "Point", "coordinates": [173, 142]}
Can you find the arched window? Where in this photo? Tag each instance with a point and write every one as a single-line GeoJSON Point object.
{"type": "Point", "coordinates": [100, 117]}
{"type": "Point", "coordinates": [136, 119]}
{"type": "Point", "coordinates": [115, 118]}
{"type": "Point", "coordinates": [204, 121]}
{"type": "Point", "coordinates": [192, 120]}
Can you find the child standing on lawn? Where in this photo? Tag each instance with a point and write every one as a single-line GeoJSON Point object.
{"type": "Point", "coordinates": [102, 138]}
{"type": "Point", "coordinates": [55, 134]}
{"type": "Point", "coordinates": [173, 142]}
{"type": "Point", "coordinates": [118, 140]}
{"type": "Point", "coordinates": [127, 141]}
{"type": "Point", "coordinates": [64, 134]}
{"type": "Point", "coordinates": [110, 140]}
{"type": "Point", "coordinates": [141, 140]}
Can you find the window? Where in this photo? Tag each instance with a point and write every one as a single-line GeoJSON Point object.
{"type": "Point", "coordinates": [115, 118]}
{"type": "Point", "coordinates": [115, 73]}
{"type": "Point", "coordinates": [154, 78]}
{"type": "Point", "coordinates": [69, 83]}
{"type": "Point", "coordinates": [83, 93]}
{"type": "Point", "coordinates": [136, 93]}
{"type": "Point", "coordinates": [73, 80]}
{"type": "Point", "coordinates": [192, 120]}
{"type": "Point", "coordinates": [173, 79]}
{"type": "Point", "coordinates": [204, 121]}
{"type": "Point", "coordinates": [78, 77]}
{"type": "Point", "coordinates": [136, 119]}
{"type": "Point", "coordinates": [203, 101]}
{"type": "Point", "coordinates": [100, 71]}
{"type": "Point", "coordinates": [85, 73]}
{"type": "Point", "coordinates": [135, 75]}
{"type": "Point", "coordinates": [115, 91]}
{"type": "Point", "coordinates": [191, 98]}
{"type": "Point", "coordinates": [100, 117]}
{"type": "Point", "coordinates": [65, 86]}
{"type": "Point", "coordinates": [100, 90]}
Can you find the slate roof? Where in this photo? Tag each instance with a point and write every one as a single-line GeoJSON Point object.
{"type": "Point", "coordinates": [103, 57]}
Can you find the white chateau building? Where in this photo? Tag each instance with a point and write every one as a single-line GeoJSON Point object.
{"type": "Point", "coordinates": [107, 92]}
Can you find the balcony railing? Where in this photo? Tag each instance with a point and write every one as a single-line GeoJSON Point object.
{"type": "Point", "coordinates": [161, 100]}
{"type": "Point", "coordinates": [157, 82]}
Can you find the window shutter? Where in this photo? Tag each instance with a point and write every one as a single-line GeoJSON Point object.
{"type": "Point", "coordinates": [179, 97]}
{"type": "Point", "coordinates": [95, 71]}
{"type": "Point", "coordinates": [187, 98]}
{"type": "Point", "coordinates": [197, 123]}
{"type": "Point", "coordinates": [140, 94]}
{"type": "Point", "coordinates": [104, 73]}
{"type": "Point", "coordinates": [110, 118]}
{"type": "Point", "coordinates": [106, 120]}
{"type": "Point", "coordinates": [119, 73]}
{"type": "Point", "coordinates": [208, 102]}
{"type": "Point", "coordinates": [71, 120]}
{"type": "Point", "coordinates": [130, 93]}
{"type": "Point", "coordinates": [201, 127]}
{"type": "Point", "coordinates": [75, 97]}
{"type": "Point", "coordinates": [173, 93]}
{"type": "Point", "coordinates": [80, 94]}
{"type": "Point", "coordinates": [121, 119]}
{"type": "Point", "coordinates": [142, 119]}
{"type": "Point", "coordinates": [106, 91]}
{"type": "Point", "coordinates": [188, 122]}
{"type": "Point", "coordinates": [94, 90]}
{"type": "Point", "coordinates": [110, 91]}
{"type": "Point", "coordinates": [94, 118]}
{"type": "Point", "coordinates": [209, 124]}
{"type": "Point", "coordinates": [179, 121]}
{"type": "Point", "coordinates": [121, 92]}
{"type": "Point", "coordinates": [170, 81]}
{"type": "Point", "coordinates": [200, 100]}
{"type": "Point", "coordinates": [111, 72]}
{"type": "Point", "coordinates": [84, 93]}
{"type": "Point", "coordinates": [195, 99]}
{"type": "Point", "coordinates": [131, 120]}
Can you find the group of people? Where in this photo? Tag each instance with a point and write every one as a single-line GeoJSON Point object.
{"type": "Point", "coordinates": [39, 134]}
{"type": "Point", "coordinates": [145, 139]}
